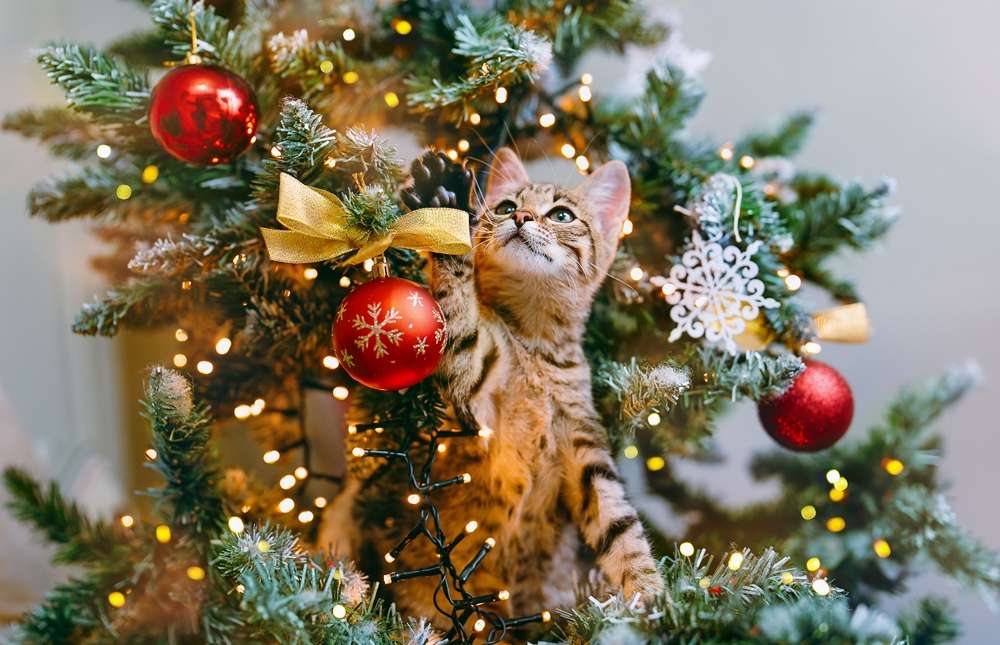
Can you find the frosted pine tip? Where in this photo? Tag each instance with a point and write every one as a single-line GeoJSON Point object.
{"type": "Point", "coordinates": [490, 542]}
{"type": "Point", "coordinates": [546, 616]}
{"type": "Point", "coordinates": [387, 578]}
{"type": "Point", "coordinates": [503, 594]}
{"type": "Point", "coordinates": [466, 478]}
{"type": "Point", "coordinates": [389, 558]}
{"type": "Point", "coordinates": [358, 452]}
{"type": "Point", "coordinates": [471, 527]}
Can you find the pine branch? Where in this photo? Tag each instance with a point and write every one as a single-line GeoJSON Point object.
{"type": "Point", "coordinates": [147, 302]}
{"type": "Point", "coordinates": [785, 141]}
{"type": "Point", "coordinates": [102, 87]}
{"type": "Point", "coordinates": [190, 497]}
{"type": "Point", "coordinates": [67, 133]}
{"type": "Point", "coordinates": [931, 622]}
{"type": "Point", "coordinates": [79, 540]}
{"type": "Point", "coordinates": [639, 390]}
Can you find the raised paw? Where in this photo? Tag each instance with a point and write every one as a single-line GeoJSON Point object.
{"type": "Point", "coordinates": [439, 182]}
{"type": "Point", "coordinates": [644, 579]}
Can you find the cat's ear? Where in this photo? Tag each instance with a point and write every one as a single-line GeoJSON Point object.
{"type": "Point", "coordinates": [607, 193]}
{"type": "Point", "coordinates": [507, 174]}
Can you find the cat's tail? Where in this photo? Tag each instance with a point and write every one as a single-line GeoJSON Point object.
{"type": "Point", "coordinates": [340, 531]}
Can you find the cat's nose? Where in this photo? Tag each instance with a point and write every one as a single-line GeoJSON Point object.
{"type": "Point", "coordinates": [520, 217]}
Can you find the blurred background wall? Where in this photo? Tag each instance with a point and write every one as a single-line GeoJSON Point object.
{"type": "Point", "coordinates": [904, 89]}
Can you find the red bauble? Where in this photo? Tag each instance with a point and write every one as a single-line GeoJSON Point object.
{"type": "Point", "coordinates": [389, 334]}
{"type": "Point", "coordinates": [813, 414]}
{"type": "Point", "coordinates": [203, 114]}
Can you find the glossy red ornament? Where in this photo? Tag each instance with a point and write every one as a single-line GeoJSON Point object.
{"type": "Point", "coordinates": [813, 414]}
{"type": "Point", "coordinates": [389, 334]}
{"type": "Point", "coordinates": [203, 114]}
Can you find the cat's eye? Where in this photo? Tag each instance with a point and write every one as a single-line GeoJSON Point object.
{"type": "Point", "coordinates": [561, 215]}
{"type": "Point", "coordinates": [505, 208]}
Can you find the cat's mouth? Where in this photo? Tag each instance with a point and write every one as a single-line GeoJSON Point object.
{"type": "Point", "coordinates": [528, 244]}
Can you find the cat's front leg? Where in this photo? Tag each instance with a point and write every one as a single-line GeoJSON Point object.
{"type": "Point", "coordinates": [607, 520]}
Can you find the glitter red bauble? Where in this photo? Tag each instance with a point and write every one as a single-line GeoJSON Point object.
{"type": "Point", "coordinates": [813, 414]}
{"type": "Point", "coordinates": [389, 334]}
{"type": "Point", "coordinates": [203, 114]}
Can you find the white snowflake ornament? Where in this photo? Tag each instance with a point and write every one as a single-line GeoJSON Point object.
{"type": "Point", "coordinates": [715, 292]}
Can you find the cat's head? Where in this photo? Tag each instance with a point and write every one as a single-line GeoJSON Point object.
{"type": "Point", "coordinates": [561, 237]}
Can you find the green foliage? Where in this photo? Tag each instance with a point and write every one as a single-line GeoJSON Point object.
{"type": "Point", "coordinates": [67, 133]}
{"type": "Point", "coordinates": [786, 141]}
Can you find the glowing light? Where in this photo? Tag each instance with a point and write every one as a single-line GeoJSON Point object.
{"type": "Point", "coordinates": [348, 35]}
{"type": "Point", "coordinates": [882, 548]}
{"type": "Point", "coordinates": [223, 345]}
{"type": "Point", "coordinates": [162, 533]}
{"type": "Point", "coordinates": [627, 227]}
{"type": "Point", "coordinates": [582, 163]}
{"type": "Point", "coordinates": [587, 78]}
{"type": "Point", "coordinates": [263, 546]}
{"type": "Point", "coordinates": [490, 542]}
{"type": "Point", "coordinates": [735, 561]}
{"type": "Point", "coordinates": [330, 162]}
{"type": "Point", "coordinates": [403, 27]}
{"type": "Point", "coordinates": [127, 521]}
{"type": "Point", "coordinates": [653, 419]}
{"type": "Point", "coordinates": [123, 192]}
{"type": "Point", "coordinates": [150, 174]}
{"type": "Point", "coordinates": [345, 281]}
{"type": "Point", "coordinates": [195, 573]}
{"type": "Point", "coordinates": [391, 99]}
{"type": "Point", "coordinates": [286, 505]}
{"type": "Point", "coordinates": [585, 93]}
{"type": "Point", "coordinates": [668, 289]}
{"type": "Point", "coordinates": [242, 411]}
{"type": "Point", "coordinates": [835, 524]}
{"type": "Point", "coordinates": [747, 162]}
{"type": "Point", "coordinates": [567, 150]}
{"type": "Point", "coordinates": [793, 282]}
{"type": "Point", "coordinates": [821, 587]}
{"type": "Point", "coordinates": [832, 475]}
{"type": "Point", "coordinates": [326, 66]}
{"type": "Point", "coordinates": [811, 347]}
{"type": "Point", "coordinates": [351, 77]}
{"type": "Point", "coordinates": [479, 625]}
{"type": "Point", "coordinates": [503, 594]}
{"type": "Point", "coordinates": [180, 335]}
{"type": "Point", "coordinates": [387, 579]}
{"type": "Point", "coordinates": [452, 154]}
{"type": "Point", "coordinates": [340, 392]}
{"type": "Point", "coordinates": [486, 432]}
{"type": "Point", "coordinates": [301, 472]}
{"type": "Point", "coordinates": [787, 578]}
{"type": "Point", "coordinates": [631, 452]}
{"type": "Point", "coordinates": [726, 152]}
{"type": "Point", "coordinates": [205, 367]}
{"type": "Point", "coordinates": [104, 151]}
{"type": "Point", "coordinates": [369, 264]}
{"type": "Point", "coordinates": [271, 456]}
{"type": "Point", "coordinates": [358, 452]}
{"type": "Point", "coordinates": [501, 95]}
{"type": "Point", "coordinates": [320, 502]}
{"type": "Point", "coordinates": [236, 524]}
{"type": "Point", "coordinates": [841, 484]}
{"type": "Point", "coordinates": [388, 558]}
{"type": "Point", "coordinates": [813, 564]}
{"type": "Point", "coordinates": [705, 583]}
{"type": "Point", "coordinates": [276, 152]}
{"type": "Point", "coordinates": [287, 482]}
{"type": "Point", "coordinates": [306, 516]}
{"type": "Point", "coordinates": [546, 616]}
{"type": "Point", "coordinates": [686, 549]}
{"type": "Point", "coordinates": [151, 454]}
{"type": "Point", "coordinates": [655, 463]}
{"type": "Point", "coordinates": [352, 429]}
{"type": "Point", "coordinates": [442, 448]}
{"type": "Point", "coordinates": [471, 526]}
{"type": "Point", "coordinates": [547, 120]}
{"type": "Point", "coordinates": [240, 588]}
{"type": "Point", "coordinates": [808, 512]}
{"type": "Point", "coordinates": [180, 360]}
{"type": "Point", "coordinates": [837, 495]}
{"type": "Point", "coordinates": [413, 499]}
{"type": "Point", "coordinates": [893, 466]}
{"type": "Point", "coordinates": [331, 362]}
{"type": "Point", "coordinates": [116, 599]}
{"type": "Point", "coordinates": [475, 118]}
{"type": "Point", "coordinates": [339, 611]}
{"type": "Point", "coordinates": [310, 273]}
{"type": "Point", "coordinates": [185, 285]}
{"type": "Point", "coordinates": [636, 273]}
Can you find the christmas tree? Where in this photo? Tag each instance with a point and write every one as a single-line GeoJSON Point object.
{"type": "Point", "coordinates": [208, 174]}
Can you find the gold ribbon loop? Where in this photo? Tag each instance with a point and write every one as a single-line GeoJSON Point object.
{"type": "Point", "coordinates": [317, 229]}
{"type": "Point", "coordinates": [843, 324]}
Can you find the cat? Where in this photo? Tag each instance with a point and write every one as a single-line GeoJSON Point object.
{"type": "Point", "coordinates": [544, 485]}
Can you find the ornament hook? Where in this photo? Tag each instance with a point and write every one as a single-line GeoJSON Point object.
{"type": "Point", "coordinates": [192, 57]}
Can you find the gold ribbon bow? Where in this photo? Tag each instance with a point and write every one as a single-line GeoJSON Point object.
{"type": "Point", "coordinates": [317, 229]}
{"type": "Point", "coordinates": [841, 324]}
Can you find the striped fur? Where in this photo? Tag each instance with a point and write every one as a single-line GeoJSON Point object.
{"type": "Point", "coordinates": [544, 484]}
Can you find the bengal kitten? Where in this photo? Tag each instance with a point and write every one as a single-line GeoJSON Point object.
{"type": "Point", "coordinates": [544, 484]}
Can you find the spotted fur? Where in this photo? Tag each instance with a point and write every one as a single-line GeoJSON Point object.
{"type": "Point", "coordinates": [544, 484]}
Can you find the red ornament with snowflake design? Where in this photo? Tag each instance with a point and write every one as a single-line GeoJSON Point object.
{"type": "Point", "coordinates": [389, 334]}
